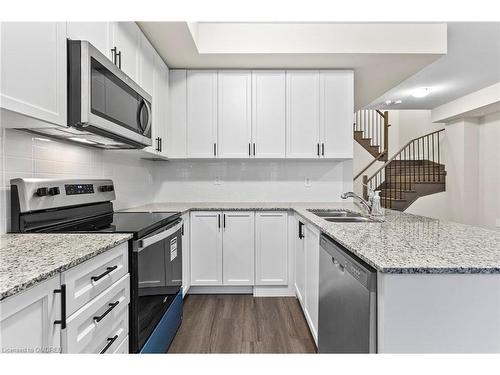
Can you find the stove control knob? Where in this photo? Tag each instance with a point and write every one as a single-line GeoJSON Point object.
{"type": "Point", "coordinates": [54, 191]}
{"type": "Point", "coordinates": [41, 192]}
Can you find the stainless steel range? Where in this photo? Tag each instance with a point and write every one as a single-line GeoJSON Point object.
{"type": "Point", "coordinates": [155, 252]}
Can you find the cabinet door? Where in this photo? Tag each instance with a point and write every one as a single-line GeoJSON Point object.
{"type": "Point", "coordinates": [312, 279]}
{"type": "Point", "coordinates": [268, 114]}
{"type": "Point", "coordinates": [27, 319]}
{"type": "Point", "coordinates": [234, 114]}
{"type": "Point", "coordinates": [33, 70]}
{"type": "Point", "coordinates": [300, 262]}
{"type": "Point", "coordinates": [271, 248]}
{"type": "Point", "coordinates": [206, 248]}
{"type": "Point", "coordinates": [238, 248]}
{"type": "Point", "coordinates": [336, 115]}
{"type": "Point", "coordinates": [302, 120]}
{"type": "Point", "coordinates": [160, 103]}
{"type": "Point", "coordinates": [201, 113]}
{"type": "Point", "coordinates": [147, 61]}
{"type": "Point", "coordinates": [176, 134]}
{"type": "Point", "coordinates": [186, 259]}
{"type": "Point", "coordinates": [125, 38]}
{"type": "Point", "coordinates": [97, 33]}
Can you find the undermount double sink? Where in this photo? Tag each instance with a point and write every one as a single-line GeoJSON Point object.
{"type": "Point", "coordinates": [342, 216]}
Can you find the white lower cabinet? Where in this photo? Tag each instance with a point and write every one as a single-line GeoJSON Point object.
{"type": "Point", "coordinates": [271, 248]}
{"type": "Point", "coordinates": [312, 279]}
{"type": "Point", "coordinates": [206, 248]}
{"type": "Point", "coordinates": [186, 254]}
{"type": "Point", "coordinates": [238, 248]}
{"type": "Point", "coordinates": [300, 262]}
{"type": "Point", "coordinates": [27, 323]}
{"type": "Point", "coordinates": [96, 312]}
{"type": "Point", "coordinates": [89, 328]}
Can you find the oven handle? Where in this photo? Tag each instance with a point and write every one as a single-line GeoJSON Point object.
{"type": "Point", "coordinates": [148, 241]}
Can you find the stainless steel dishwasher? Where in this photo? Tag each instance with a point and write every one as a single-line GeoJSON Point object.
{"type": "Point", "coordinates": [347, 301]}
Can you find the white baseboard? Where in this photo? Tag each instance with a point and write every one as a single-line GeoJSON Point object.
{"type": "Point", "coordinates": [273, 291]}
{"type": "Point", "coordinates": [220, 289]}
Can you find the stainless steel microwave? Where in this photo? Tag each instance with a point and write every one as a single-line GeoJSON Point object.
{"type": "Point", "coordinates": [103, 100]}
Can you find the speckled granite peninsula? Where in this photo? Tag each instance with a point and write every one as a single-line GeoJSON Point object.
{"type": "Point", "coordinates": [27, 259]}
{"type": "Point", "coordinates": [402, 244]}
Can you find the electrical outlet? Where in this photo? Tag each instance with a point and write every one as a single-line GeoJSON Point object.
{"type": "Point", "coordinates": [307, 182]}
{"type": "Point", "coordinates": [217, 180]}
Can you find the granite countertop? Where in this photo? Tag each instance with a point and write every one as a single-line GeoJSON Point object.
{"type": "Point", "coordinates": [28, 259]}
{"type": "Point", "coordinates": [402, 244]}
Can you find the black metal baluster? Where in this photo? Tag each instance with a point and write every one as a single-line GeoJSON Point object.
{"type": "Point", "coordinates": [428, 157]}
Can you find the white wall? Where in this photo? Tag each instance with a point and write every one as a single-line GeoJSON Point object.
{"type": "Point", "coordinates": [26, 155]}
{"type": "Point", "coordinates": [253, 180]}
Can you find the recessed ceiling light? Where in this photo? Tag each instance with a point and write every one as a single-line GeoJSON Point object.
{"type": "Point", "coordinates": [420, 92]}
{"type": "Point", "coordinates": [398, 102]}
{"type": "Point", "coordinates": [387, 102]}
{"type": "Point", "coordinates": [82, 140]}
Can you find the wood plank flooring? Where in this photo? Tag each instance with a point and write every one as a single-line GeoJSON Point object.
{"type": "Point", "coordinates": [242, 324]}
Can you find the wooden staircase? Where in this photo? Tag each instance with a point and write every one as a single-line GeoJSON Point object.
{"type": "Point", "coordinates": [413, 172]}
{"type": "Point", "coordinates": [371, 132]}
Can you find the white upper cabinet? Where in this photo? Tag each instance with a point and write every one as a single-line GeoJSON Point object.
{"type": "Point", "coordinates": [201, 114]}
{"type": "Point", "coordinates": [302, 130]}
{"type": "Point", "coordinates": [28, 319]}
{"type": "Point", "coordinates": [234, 114]}
{"type": "Point", "coordinates": [97, 33]}
{"type": "Point", "coordinates": [147, 58]}
{"type": "Point", "coordinates": [336, 116]}
{"type": "Point", "coordinates": [176, 134]}
{"type": "Point", "coordinates": [125, 37]}
{"type": "Point", "coordinates": [238, 248]}
{"type": "Point", "coordinates": [33, 70]}
{"type": "Point", "coordinates": [268, 114]}
{"type": "Point", "coordinates": [271, 248]}
{"type": "Point", "coordinates": [206, 248]}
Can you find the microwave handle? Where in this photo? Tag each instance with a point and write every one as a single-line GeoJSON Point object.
{"type": "Point", "coordinates": [148, 108]}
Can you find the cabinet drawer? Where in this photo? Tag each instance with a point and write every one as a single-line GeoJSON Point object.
{"type": "Point", "coordinates": [107, 341]}
{"type": "Point", "coordinates": [122, 347]}
{"type": "Point", "coordinates": [97, 318]}
{"type": "Point", "coordinates": [87, 280]}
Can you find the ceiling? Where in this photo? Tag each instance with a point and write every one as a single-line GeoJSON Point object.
{"type": "Point", "coordinates": [396, 50]}
{"type": "Point", "coordinates": [472, 62]}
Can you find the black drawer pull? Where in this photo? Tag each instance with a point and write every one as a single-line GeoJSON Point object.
{"type": "Point", "coordinates": [97, 319]}
{"type": "Point", "coordinates": [111, 340]}
{"type": "Point", "coordinates": [62, 321]}
{"type": "Point", "coordinates": [108, 270]}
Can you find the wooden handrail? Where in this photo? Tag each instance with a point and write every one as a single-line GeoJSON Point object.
{"type": "Point", "coordinates": [369, 165]}
{"type": "Point", "coordinates": [400, 151]}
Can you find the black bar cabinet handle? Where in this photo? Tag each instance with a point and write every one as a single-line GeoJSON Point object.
{"type": "Point", "coordinates": [318, 148]}
{"type": "Point", "coordinates": [215, 149]}
{"type": "Point", "coordinates": [322, 149]}
{"type": "Point", "coordinates": [110, 340]}
{"type": "Point", "coordinates": [108, 270]}
{"type": "Point", "coordinates": [113, 54]}
{"type": "Point", "coordinates": [62, 321]}
{"type": "Point", "coordinates": [97, 319]}
{"type": "Point", "coordinates": [301, 225]}
{"type": "Point", "coordinates": [249, 149]}
{"type": "Point", "coordinates": [218, 220]}
{"type": "Point", "coordinates": [224, 222]}
{"type": "Point", "coordinates": [254, 149]}
{"type": "Point", "coordinates": [119, 55]}
{"type": "Point", "coordinates": [161, 144]}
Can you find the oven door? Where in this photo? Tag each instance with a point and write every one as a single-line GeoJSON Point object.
{"type": "Point", "coordinates": [158, 279]}
{"type": "Point", "coordinates": [104, 100]}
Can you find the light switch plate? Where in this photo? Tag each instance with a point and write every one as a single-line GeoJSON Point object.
{"type": "Point", "coordinates": [217, 180]}
{"type": "Point", "coordinates": [307, 182]}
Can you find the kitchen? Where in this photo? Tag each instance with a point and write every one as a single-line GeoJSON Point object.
{"type": "Point", "coordinates": [154, 201]}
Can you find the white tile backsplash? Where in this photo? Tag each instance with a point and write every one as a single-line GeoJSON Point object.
{"type": "Point", "coordinates": [26, 155]}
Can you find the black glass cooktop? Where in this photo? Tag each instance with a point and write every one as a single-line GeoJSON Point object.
{"type": "Point", "coordinates": [138, 223]}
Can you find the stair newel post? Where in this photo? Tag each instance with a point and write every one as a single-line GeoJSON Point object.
{"type": "Point", "coordinates": [365, 186]}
